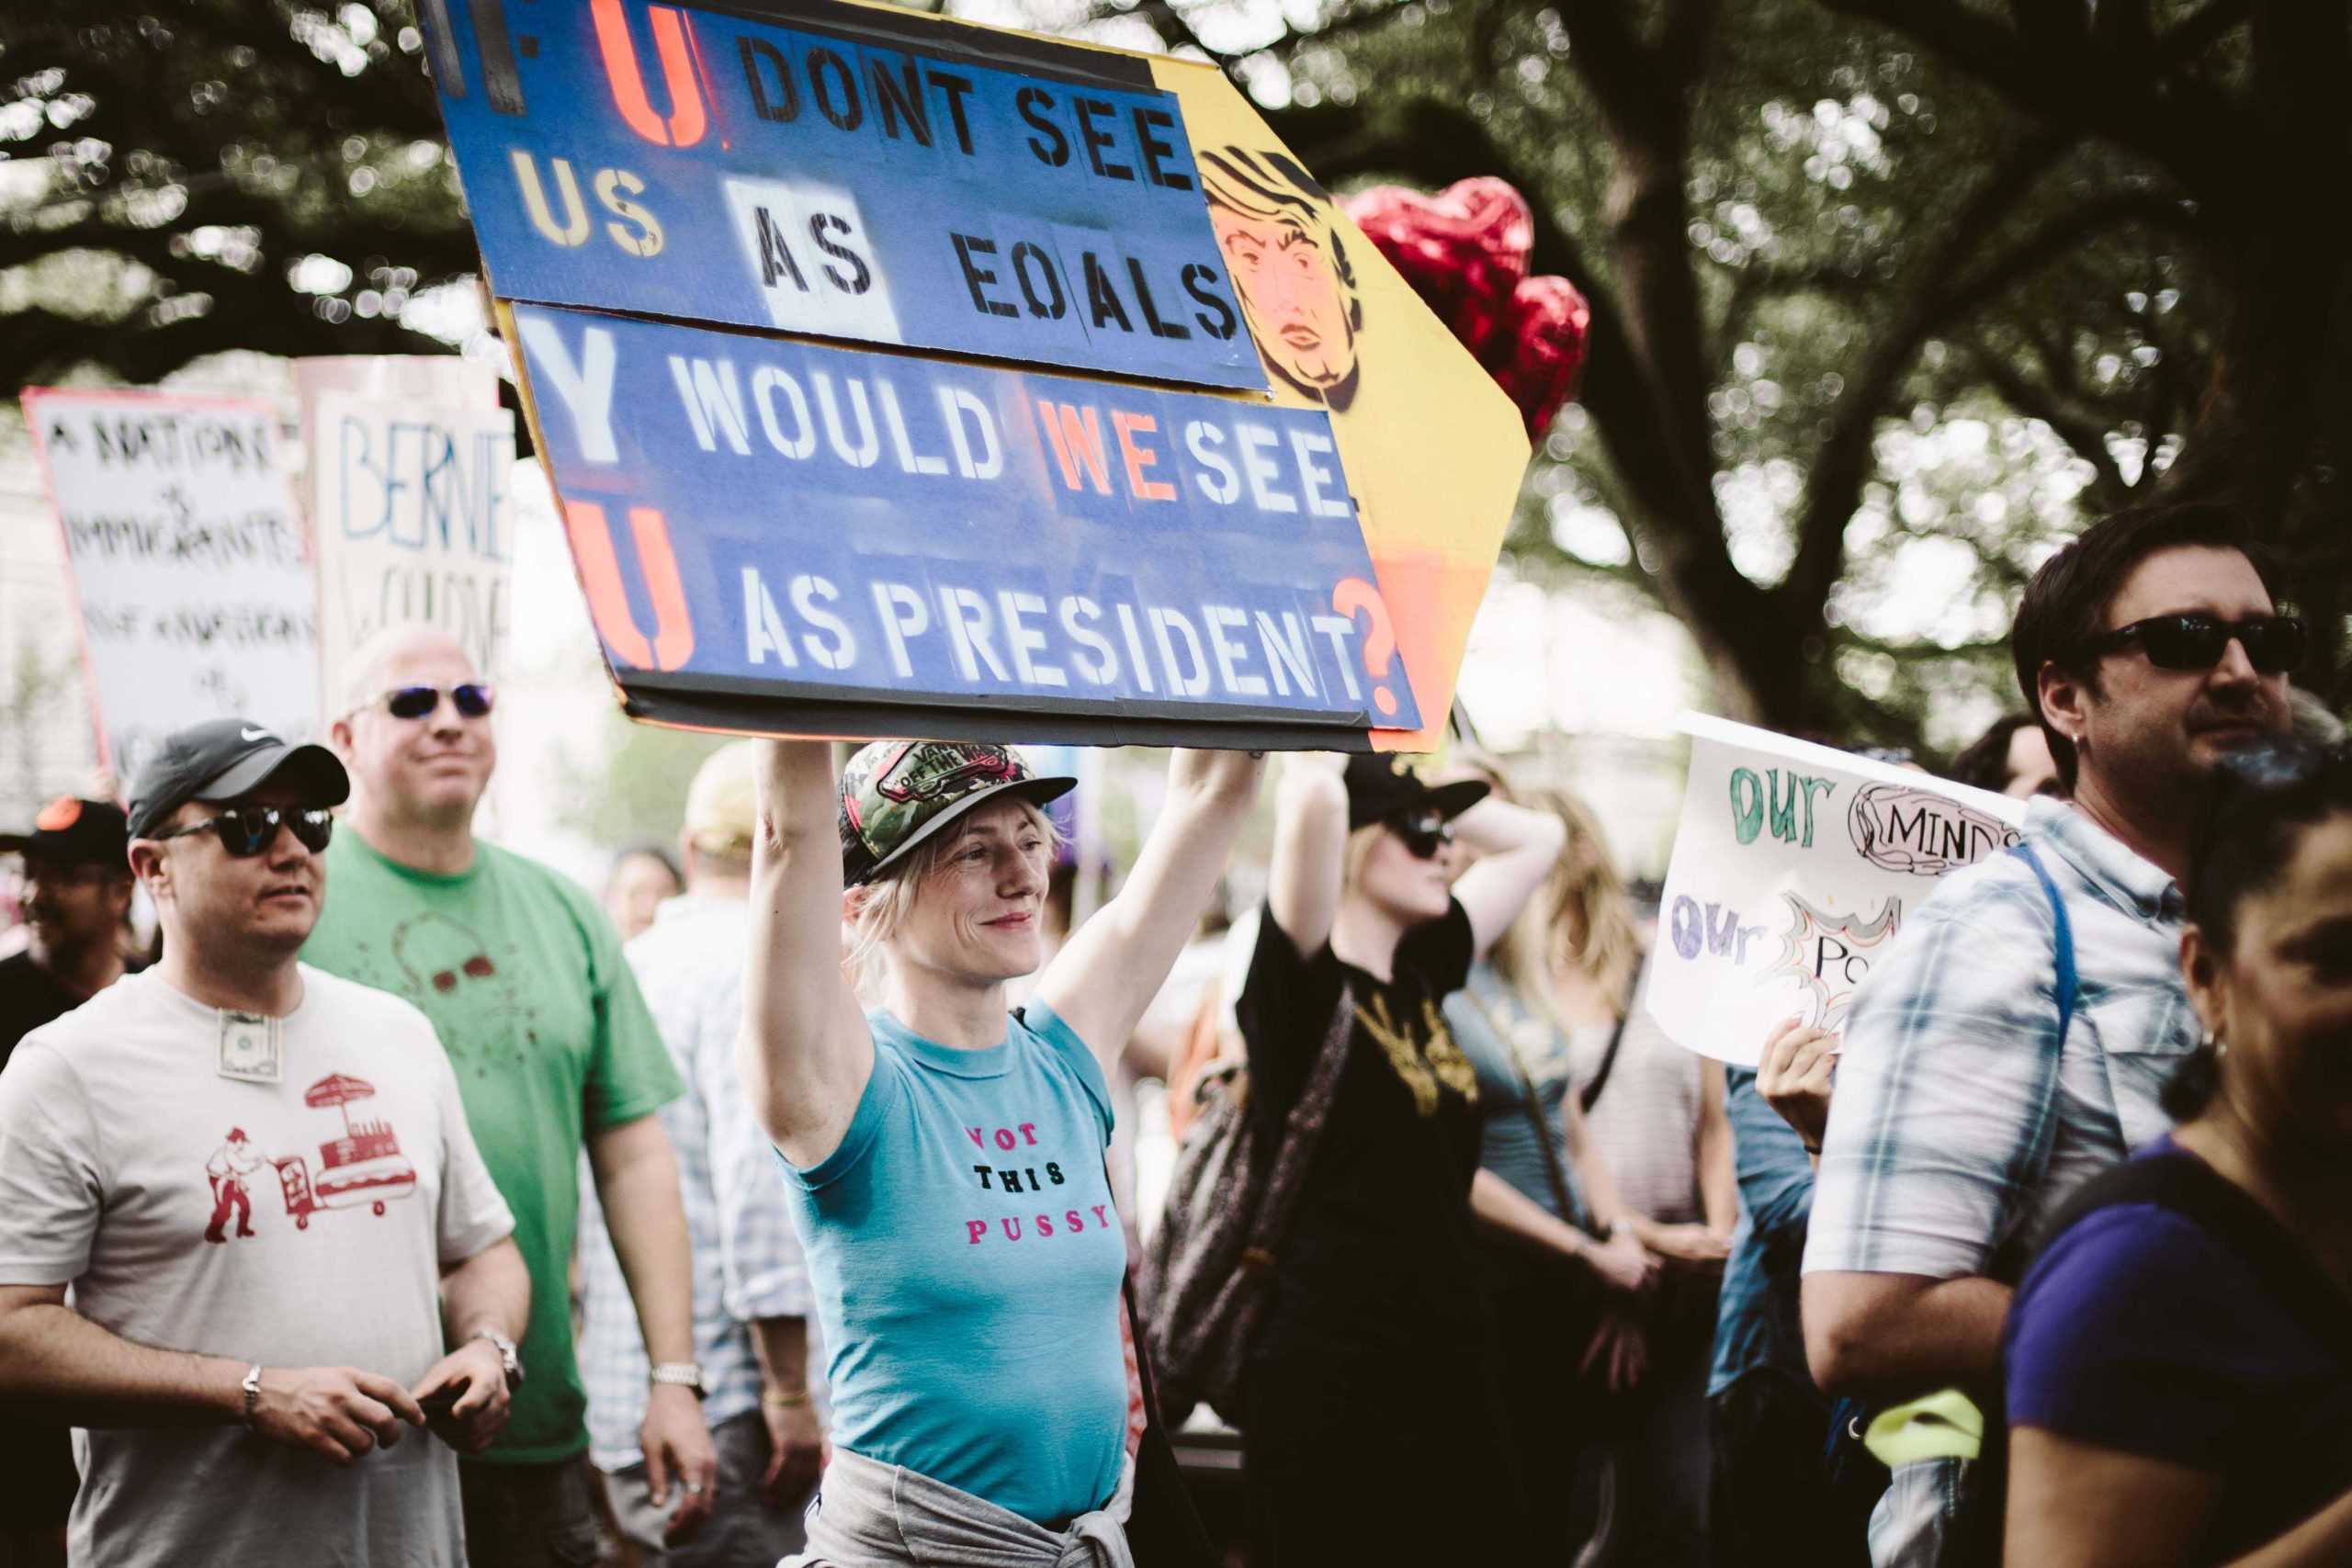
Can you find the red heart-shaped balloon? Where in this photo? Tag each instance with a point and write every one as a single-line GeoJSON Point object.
{"type": "Point", "coordinates": [1464, 250]}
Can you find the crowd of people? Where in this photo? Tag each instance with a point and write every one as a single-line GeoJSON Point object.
{"type": "Point", "coordinates": [412, 1206]}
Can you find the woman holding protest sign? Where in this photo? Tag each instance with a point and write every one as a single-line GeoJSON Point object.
{"type": "Point", "coordinates": [946, 1157]}
{"type": "Point", "coordinates": [1374, 1425]}
{"type": "Point", "coordinates": [2179, 1357]}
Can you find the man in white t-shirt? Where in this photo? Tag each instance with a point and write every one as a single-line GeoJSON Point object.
{"type": "Point", "coordinates": [247, 1392]}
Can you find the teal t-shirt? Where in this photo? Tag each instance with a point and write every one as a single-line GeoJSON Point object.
{"type": "Point", "coordinates": [966, 1258]}
{"type": "Point", "coordinates": [523, 979]}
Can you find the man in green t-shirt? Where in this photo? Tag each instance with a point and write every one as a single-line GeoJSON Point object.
{"type": "Point", "coordinates": [523, 979]}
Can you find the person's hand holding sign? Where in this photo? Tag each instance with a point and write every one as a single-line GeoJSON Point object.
{"type": "Point", "coordinates": [1794, 1078]}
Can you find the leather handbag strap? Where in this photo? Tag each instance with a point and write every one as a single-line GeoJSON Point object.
{"type": "Point", "coordinates": [1608, 1059]}
{"type": "Point", "coordinates": [1531, 1101]}
{"type": "Point", "coordinates": [1302, 1129]}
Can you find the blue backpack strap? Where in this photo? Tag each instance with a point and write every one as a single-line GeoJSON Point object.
{"type": "Point", "coordinates": [2066, 977]}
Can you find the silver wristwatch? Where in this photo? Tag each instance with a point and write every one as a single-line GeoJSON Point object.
{"type": "Point", "coordinates": [506, 1354]}
{"type": "Point", "coordinates": [686, 1374]}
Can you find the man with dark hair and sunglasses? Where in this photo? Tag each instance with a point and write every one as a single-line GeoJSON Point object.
{"type": "Point", "coordinates": [76, 898]}
{"type": "Point", "coordinates": [523, 976]}
{"type": "Point", "coordinates": [374, 1286]}
{"type": "Point", "coordinates": [2015, 1041]}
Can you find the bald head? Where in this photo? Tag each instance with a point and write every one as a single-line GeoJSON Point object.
{"type": "Point", "coordinates": [419, 776]}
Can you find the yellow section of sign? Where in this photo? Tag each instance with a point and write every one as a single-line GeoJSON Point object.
{"type": "Point", "coordinates": [1433, 448]}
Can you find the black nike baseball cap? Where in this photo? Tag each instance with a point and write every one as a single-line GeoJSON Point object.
{"type": "Point", "coordinates": [223, 759]}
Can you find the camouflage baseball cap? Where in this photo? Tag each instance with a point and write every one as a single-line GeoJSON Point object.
{"type": "Point", "coordinates": [896, 793]}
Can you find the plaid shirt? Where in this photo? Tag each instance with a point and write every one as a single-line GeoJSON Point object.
{"type": "Point", "coordinates": [1962, 1119]}
{"type": "Point", "coordinates": [747, 1259]}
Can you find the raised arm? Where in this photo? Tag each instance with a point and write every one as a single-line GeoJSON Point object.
{"type": "Point", "coordinates": [1310, 848]}
{"type": "Point", "coordinates": [1106, 974]}
{"type": "Point", "coordinates": [806, 1052]}
{"type": "Point", "coordinates": [1516, 848]}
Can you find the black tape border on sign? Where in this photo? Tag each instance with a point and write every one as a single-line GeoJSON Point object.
{"type": "Point", "coordinates": [717, 702]}
{"type": "Point", "coordinates": [948, 41]}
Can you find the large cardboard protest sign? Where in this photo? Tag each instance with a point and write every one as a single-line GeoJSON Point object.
{"type": "Point", "coordinates": [989, 236]}
{"type": "Point", "coordinates": [1793, 868]}
{"type": "Point", "coordinates": [411, 517]}
{"type": "Point", "coordinates": [186, 559]}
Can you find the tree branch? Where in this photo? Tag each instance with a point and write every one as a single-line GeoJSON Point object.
{"type": "Point", "coordinates": [2201, 137]}
{"type": "Point", "coordinates": [2191, 38]}
{"type": "Point", "coordinates": [1846, 459]}
{"type": "Point", "coordinates": [1683, 41]}
{"type": "Point", "coordinates": [2085, 436]}
{"type": "Point", "coordinates": [1175, 31]}
{"type": "Point", "coordinates": [1358, 19]}
{"type": "Point", "coordinates": [1640, 105]}
{"type": "Point", "coordinates": [2056, 239]}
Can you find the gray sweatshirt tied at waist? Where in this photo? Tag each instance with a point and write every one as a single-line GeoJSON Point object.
{"type": "Point", "coordinates": [869, 1515]}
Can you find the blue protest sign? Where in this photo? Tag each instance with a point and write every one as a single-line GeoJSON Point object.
{"type": "Point", "coordinates": [1038, 555]}
{"type": "Point", "coordinates": [855, 173]}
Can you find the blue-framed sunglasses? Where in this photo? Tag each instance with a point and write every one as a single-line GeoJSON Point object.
{"type": "Point", "coordinates": [474, 699]}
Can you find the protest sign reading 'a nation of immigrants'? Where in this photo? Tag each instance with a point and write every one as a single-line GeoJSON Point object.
{"type": "Point", "coordinates": [969, 213]}
{"type": "Point", "coordinates": [411, 518]}
{"type": "Point", "coordinates": [186, 561]}
{"type": "Point", "coordinates": [1794, 869]}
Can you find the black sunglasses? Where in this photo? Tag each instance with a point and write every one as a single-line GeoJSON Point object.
{"type": "Point", "coordinates": [248, 830]}
{"type": "Point", "coordinates": [1424, 833]}
{"type": "Point", "coordinates": [474, 699]}
{"type": "Point", "coordinates": [2273, 643]}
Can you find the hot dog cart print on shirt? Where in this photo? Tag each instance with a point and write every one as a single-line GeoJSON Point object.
{"type": "Point", "coordinates": [363, 1168]}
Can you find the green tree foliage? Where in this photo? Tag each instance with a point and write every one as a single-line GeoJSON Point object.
{"type": "Point", "coordinates": [184, 176]}
{"type": "Point", "coordinates": [1887, 293]}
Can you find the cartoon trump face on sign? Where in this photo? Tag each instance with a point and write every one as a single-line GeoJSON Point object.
{"type": "Point", "coordinates": [1274, 225]}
